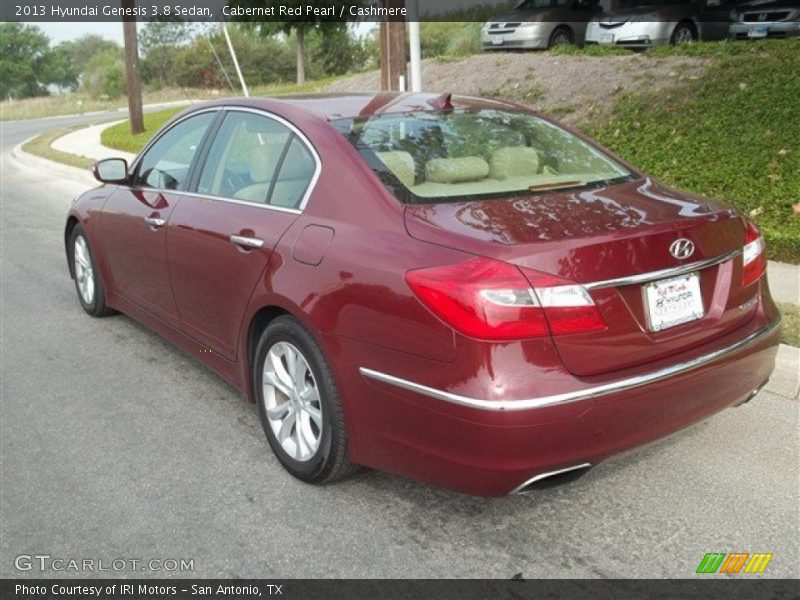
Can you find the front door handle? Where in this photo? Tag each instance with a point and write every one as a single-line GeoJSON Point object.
{"type": "Point", "coordinates": [247, 242]}
{"type": "Point", "coordinates": [155, 221]}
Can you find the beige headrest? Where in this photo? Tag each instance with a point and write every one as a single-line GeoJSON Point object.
{"type": "Point", "coordinates": [401, 164]}
{"type": "Point", "coordinates": [455, 170]}
{"type": "Point", "coordinates": [513, 160]}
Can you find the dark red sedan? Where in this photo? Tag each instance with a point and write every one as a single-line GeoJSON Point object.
{"type": "Point", "coordinates": [456, 290]}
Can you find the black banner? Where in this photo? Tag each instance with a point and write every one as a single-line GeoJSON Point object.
{"type": "Point", "coordinates": [514, 12]}
{"type": "Point", "coordinates": [712, 587]}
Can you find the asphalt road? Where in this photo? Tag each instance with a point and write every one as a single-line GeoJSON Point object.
{"type": "Point", "coordinates": [114, 444]}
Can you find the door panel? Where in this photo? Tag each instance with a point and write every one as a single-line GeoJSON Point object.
{"type": "Point", "coordinates": [213, 277]}
{"type": "Point", "coordinates": [220, 238]}
{"type": "Point", "coordinates": [136, 248]}
{"type": "Point", "coordinates": [134, 218]}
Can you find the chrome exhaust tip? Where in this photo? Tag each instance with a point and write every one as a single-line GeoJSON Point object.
{"type": "Point", "coordinates": [552, 478]}
{"type": "Point", "coordinates": [753, 394]}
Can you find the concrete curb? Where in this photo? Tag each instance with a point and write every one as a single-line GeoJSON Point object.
{"type": "Point", "coordinates": [81, 176]}
{"type": "Point", "coordinates": [785, 380]}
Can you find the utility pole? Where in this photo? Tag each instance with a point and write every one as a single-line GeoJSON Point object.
{"type": "Point", "coordinates": [235, 61]}
{"type": "Point", "coordinates": [393, 51]}
{"type": "Point", "coordinates": [414, 46]}
{"type": "Point", "coordinates": [133, 84]}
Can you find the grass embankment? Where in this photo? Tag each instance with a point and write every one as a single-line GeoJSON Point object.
{"type": "Point", "coordinates": [120, 137]}
{"type": "Point", "coordinates": [40, 146]}
{"type": "Point", "coordinates": [80, 103]}
{"type": "Point", "coordinates": [733, 134]}
{"type": "Point", "coordinates": [791, 323]}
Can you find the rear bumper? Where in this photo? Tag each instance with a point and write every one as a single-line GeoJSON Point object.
{"type": "Point", "coordinates": [492, 446]}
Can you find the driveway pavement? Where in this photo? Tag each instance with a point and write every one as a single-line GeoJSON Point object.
{"type": "Point", "coordinates": [114, 444]}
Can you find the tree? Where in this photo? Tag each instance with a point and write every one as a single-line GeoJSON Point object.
{"type": "Point", "coordinates": [24, 52]}
{"type": "Point", "coordinates": [84, 49]}
{"type": "Point", "coordinates": [299, 25]}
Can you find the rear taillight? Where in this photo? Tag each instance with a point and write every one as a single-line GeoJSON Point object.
{"type": "Point", "coordinates": [492, 300]}
{"type": "Point", "coordinates": [754, 260]}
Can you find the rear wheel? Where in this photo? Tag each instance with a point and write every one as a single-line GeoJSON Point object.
{"type": "Point", "coordinates": [299, 404]}
{"type": "Point", "coordinates": [684, 33]}
{"type": "Point", "coordinates": [562, 35]}
{"type": "Point", "coordinates": [88, 283]}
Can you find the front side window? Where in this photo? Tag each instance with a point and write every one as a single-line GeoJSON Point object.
{"type": "Point", "coordinates": [460, 155]}
{"type": "Point", "coordinates": [165, 165]}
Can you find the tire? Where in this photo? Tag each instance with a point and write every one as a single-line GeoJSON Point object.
{"type": "Point", "coordinates": [88, 281]}
{"type": "Point", "coordinates": [561, 35]}
{"type": "Point", "coordinates": [302, 415]}
{"type": "Point", "coordinates": [684, 33]}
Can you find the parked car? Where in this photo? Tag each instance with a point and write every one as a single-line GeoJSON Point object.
{"type": "Point", "coordinates": [456, 290]}
{"type": "Point", "coordinates": [540, 24]}
{"type": "Point", "coordinates": [757, 20]}
{"type": "Point", "coordinates": [638, 24]}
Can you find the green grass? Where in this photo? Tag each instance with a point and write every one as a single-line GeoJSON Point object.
{"type": "Point", "coordinates": [40, 146]}
{"type": "Point", "coordinates": [120, 137]}
{"type": "Point", "coordinates": [733, 134]}
{"type": "Point", "coordinates": [590, 50]}
{"type": "Point", "coordinates": [791, 324]}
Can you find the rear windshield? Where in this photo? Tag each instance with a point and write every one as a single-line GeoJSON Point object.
{"type": "Point", "coordinates": [426, 157]}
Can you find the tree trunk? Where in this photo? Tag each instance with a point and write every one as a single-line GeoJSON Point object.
{"type": "Point", "coordinates": [133, 85]}
{"type": "Point", "coordinates": [300, 32]}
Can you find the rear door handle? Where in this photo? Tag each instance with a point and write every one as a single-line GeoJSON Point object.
{"type": "Point", "coordinates": [247, 242]}
{"type": "Point", "coordinates": [155, 221]}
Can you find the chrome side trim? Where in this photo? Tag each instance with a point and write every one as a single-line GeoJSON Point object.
{"type": "Point", "coordinates": [294, 211]}
{"type": "Point", "coordinates": [541, 476]}
{"type": "Point", "coordinates": [584, 394]}
{"type": "Point", "coordinates": [663, 273]}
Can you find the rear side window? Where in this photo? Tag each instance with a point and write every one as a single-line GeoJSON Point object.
{"type": "Point", "coordinates": [295, 176]}
{"type": "Point", "coordinates": [244, 157]}
{"type": "Point", "coordinates": [166, 163]}
{"type": "Point", "coordinates": [459, 155]}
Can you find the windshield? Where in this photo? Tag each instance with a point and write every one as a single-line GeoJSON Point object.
{"type": "Point", "coordinates": [425, 157]}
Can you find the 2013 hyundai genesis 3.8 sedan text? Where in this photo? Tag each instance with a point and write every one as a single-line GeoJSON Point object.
{"type": "Point", "coordinates": [455, 290]}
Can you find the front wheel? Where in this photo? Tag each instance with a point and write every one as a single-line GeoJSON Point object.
{"type": "Point", "coordinates": [684, 33]}
{"type": "Point", "coordinates": [560, 36]}
{"type": "Point", "coordinates": [299, 404]}
{"type": "Point", "coordinates": [88, 283]}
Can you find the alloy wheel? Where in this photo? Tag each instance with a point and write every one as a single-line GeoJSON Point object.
{"type": "Point", "coordinates": [292, 401]}
{"type": "Point", "coordinates": [684, 35]}
{"type": "Point", "coordinates": [84, 271]}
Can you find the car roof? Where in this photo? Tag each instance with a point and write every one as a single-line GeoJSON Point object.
{"type": "Point", "coordinates": [333, 106]}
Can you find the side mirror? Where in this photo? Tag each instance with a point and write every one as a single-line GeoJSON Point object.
{"type": "Point", "coordinates": [111, 170]}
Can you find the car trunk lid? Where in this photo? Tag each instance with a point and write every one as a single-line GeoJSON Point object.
{"type": "Point", "coordinates": [596, 237]}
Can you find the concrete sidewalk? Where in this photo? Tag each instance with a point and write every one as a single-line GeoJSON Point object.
{"type": "Point", "coordinates": [86, 142]}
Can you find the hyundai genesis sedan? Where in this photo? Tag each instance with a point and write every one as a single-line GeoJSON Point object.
{"type": "Point", "coordinates": [456, 290]}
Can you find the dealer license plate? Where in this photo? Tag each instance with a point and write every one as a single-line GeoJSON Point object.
{"type": "Point", "coordinates": [674, 301]}
{"type": "Point", "coordinates": [607, 38]}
